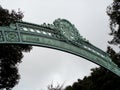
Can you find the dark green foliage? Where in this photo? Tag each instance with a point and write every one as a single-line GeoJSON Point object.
{"type": "Point", "coordinates": [7, 17]}
{"type": "Point", "coordinates": [10, 55]}
{"type": "Point", "coordinates": [58, 87]}
{"type": "Point", "coordinates": [113, 12]}
{"type": "Point", "coordinates": [100, 79]}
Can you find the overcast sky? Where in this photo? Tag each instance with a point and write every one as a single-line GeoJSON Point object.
{"type": "Point", "coordinates": [43, 66]}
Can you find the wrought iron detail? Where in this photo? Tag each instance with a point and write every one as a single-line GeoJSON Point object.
{"type": "Point", "coordinates": [61, 35]}
{"type": "Point", "coordinates": [12, 36]}
{"type": "Point", "coordinates": [67, 29]}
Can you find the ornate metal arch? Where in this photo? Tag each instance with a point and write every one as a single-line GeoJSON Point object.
{"type": "Point", "coordinates": [61, 35]}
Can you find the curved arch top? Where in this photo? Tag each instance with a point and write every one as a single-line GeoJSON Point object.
{"type": "Point", "coordinates": [61, 35]}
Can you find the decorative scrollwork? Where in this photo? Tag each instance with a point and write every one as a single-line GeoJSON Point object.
{"type": "Point", "coordinates": [13, 26]}
{"type": "Point", "coordinates": [12, 36]}
{"type": "Point", "coordinates": [64, 29]}
{"type": "Point", "coordinates": [68, 30]}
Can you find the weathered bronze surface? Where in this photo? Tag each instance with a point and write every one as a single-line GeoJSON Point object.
{"type": "Point", "coordinates": [61, 35]}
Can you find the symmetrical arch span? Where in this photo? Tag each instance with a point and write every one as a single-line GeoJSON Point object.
{"type": "Point", "coordinates": [61, 35]}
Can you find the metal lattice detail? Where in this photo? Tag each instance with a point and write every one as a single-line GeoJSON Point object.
{"type": "Point", "coordinates": [11, 36]}
{"type": "Point", "coordinates": [61, 35]}
{"type": "Point", "coordinates": [67, 29]}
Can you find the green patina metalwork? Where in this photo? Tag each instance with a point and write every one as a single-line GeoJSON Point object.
{"type": "Point", "coordinates": [61, 35]}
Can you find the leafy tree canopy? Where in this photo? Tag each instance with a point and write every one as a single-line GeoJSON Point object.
{"type": "Point", "coordinates": [113, 12]}
{"type": "Point", "coordinates": [10, 55]}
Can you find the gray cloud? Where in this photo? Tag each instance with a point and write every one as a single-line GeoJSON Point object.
{"type": "Point", "coordinates": [43, 66]}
